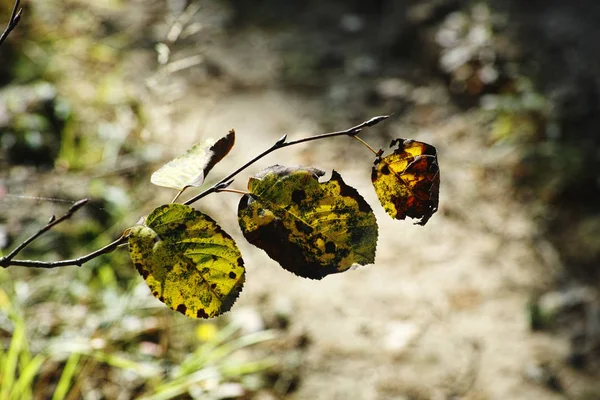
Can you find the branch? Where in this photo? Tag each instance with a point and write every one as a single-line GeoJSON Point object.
{"type": "Point", "coordinates": [7, 261]}
{"type": "Point", "coordinates": [15, 17]}
{"type": "Point", "coordinates": [109, 248]}
{"type": "Point", "coordinates": [280, 144]}
{"type": "Point", "coordinates": [222, 185]}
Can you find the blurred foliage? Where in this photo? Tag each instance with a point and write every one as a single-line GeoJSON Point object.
{"type": "Point", "coordinates": [71, 119]}
{"type": "Point", "coordinates": [107, 341]}
{"type": "Point", "coordinates": [67, 64]}
{"type": "Point", "coordinates": [32, 121]}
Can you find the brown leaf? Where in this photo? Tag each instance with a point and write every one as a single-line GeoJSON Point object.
{"type": "Point", "coordinates": [407, 181]}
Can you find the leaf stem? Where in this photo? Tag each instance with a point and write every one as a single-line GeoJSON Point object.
{"type": "Point", "coordinates": [232, 191]}
{"type": "Point", "coordinates": [366, 144]}
{"type": "Point", "coordinates": [280, 144]}
{"type": "Point", "coordinates": [178, 194]}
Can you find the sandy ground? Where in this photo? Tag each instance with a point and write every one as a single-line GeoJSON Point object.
{"type": "Point", "coordinates": [442, 312]}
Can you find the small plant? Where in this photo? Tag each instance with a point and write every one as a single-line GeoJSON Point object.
{"type": "Point", "coordinates": [310, 228]}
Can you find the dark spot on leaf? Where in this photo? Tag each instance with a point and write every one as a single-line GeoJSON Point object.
{"type": "Point", "coordinates": [201, 313]}
{"type": "Point", "coordinates": [213, 286]}
{"type": "Point", "coordinates": [374, 173]}
{"type": "Point", "coordinates": [385, 170]}
{"type": "Point", "coordinates": [155, 293]}
{"type": "Point", "coordinates": [182, 308]}
{"type": "Point", "coordinates": [289, 254]}
{"type": "Point", "coordinates": [162, 299]}
{"type": "Point", "coordinates": [298, 196]}
{"type": "Point", "coordinates": [349, 191]}
{"type": "Point", "coordinates": [232, 275]}
{"type": "Point", "coordinates": [303, 227]}
{"type": "Point", "coordinates": [141, 270]}
{"type": "Point", "coordinates": [244, 202]}
{"type": "Point", "coordinates": [181, 227]}
{"type": "Point", "coordinates": [329, 247]}
{"type": "Point", "coordinates": [240, 262]}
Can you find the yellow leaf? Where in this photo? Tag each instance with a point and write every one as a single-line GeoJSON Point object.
{"type": "Point", "coordinates": [187, 260]}
{"type": "Point", "coordinates": [407, 181]}
{"type": "Point", "coordinates": [191, 168]}
{"type": "Point", "coordinates": [312, 229]}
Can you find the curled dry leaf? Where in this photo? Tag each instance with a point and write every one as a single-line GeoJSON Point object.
{"type": "Point", "coordinates": [191, 168]}
{"type": "Point", "coordinates": [187, 260]}
{"type": "Point", "coordinates": [310, 228]}
{"type": "Point", "coordinates": [407, 181]}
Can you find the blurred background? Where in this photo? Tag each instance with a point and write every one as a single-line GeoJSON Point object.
{"type": "Point", "coordinates": [496, 298]}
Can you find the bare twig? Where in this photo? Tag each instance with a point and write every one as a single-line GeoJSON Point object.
{"type": "Point", "coordinates": [5, 261]}
{"type": "Point", "coordinates": [15, 17]}
{"type": "Point", "coordinates": [280, 144]}
{"type": "Point", "coordinates": [109, 248]}
{"type": "Point", "coordinates": [8, 261]}
{"type": "Point", "coordinates": [219, 186]}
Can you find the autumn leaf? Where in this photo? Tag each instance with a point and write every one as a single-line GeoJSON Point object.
{"type": "Point", "coordinates": [407, 181]}
{"type": "Point", "coordinates": [191, 168]}
{"type": "Point", "coordinates": [187, 260]}
{"type": "Point", "coordinates": [310, 228]}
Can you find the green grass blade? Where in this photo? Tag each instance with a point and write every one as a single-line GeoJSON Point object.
{"type": "Point", "coordinates": [22, 388]}
{"type": "Point", "coordinates": [198, 359]}
{"type": "Point", "coordinates": [9, 369]}
{"type": "Point", "coordinates": [64, 383]}
{"type": "Point", "coordinates": [181, 385]}
{"type": "Point", "coordinates": [245, 341]}
{"type": "Point", "coordinates": [251, 367]}
{"type": "Point", "coordinates": [25, 359]}
{"type": "Point", "coordinates": [117, 361]}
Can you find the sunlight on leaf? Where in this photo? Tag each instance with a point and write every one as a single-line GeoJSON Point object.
{"type": "Point", "coordinates": [192, 167]}
{"type": "Point", "coordinates": [407, 181]}
{"type": "Point", "coordinates": [310, 228]}
{"type": "Point", "coordinates": [187, 260]}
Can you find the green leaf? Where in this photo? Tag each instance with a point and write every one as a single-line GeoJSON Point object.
{"type": "Point", "coordinates": [191, 168]}
{"type": "Point", "coordinates": [187, 260]}
{"type": "Point", "coordinates": [310, 228]}
{"type": "Point", "coordinates": [407, 181]}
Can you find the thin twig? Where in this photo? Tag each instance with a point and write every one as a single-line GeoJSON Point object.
{"type": "Point", "coordinates": [15, 17]}
{"type": "Point", "coordinates": [280, 144]}
{"type": "Point", "coordinates": [109, 248]}
{"type": "Point", "coordinates": [8, 261]}
{"type": "Point", "coordinates": [5, 261]}
{"type": "Point", "coordinates": [219, 186]}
